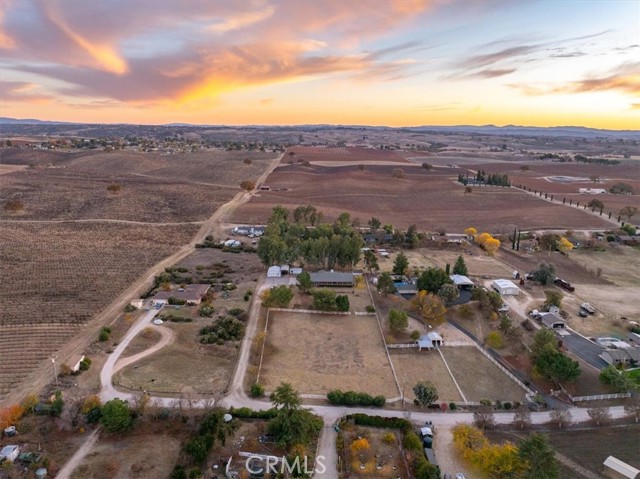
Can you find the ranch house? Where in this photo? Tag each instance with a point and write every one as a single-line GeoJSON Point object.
{"type": "Point", "coordinates": [191, 293]}
{"type": "Point", "coordinates": [332, 279]}
{"type": "Point", "coordinates": [626, 356]}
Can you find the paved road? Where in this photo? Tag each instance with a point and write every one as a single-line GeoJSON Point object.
{"type": "Point", "coordinates": [584, 349]}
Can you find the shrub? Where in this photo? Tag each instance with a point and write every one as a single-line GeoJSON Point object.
{"type": "Point", "coordinates": [360, 419]}
{"type": "Point", "coordinates": [85, 364]}
{"type": "Point", "coordinates": [206, 311]}
{"type": "Point", "coordinates": [130, 308]}
{"type": "Point", "coordinates": [104, 334]}
{"type": "Point", "coordinates": [415, 335]}
{"type": "Point", "coordinates": [236, 312]}
{"type": "Point", "coordinates": [370, 309]}
{"type": "Point", "coordinates": [352, 398]}
{"type": "Point", "coordinates": [453, 406]}
{"type": "Point", "coordinates": [342, 303]}
{"type": "Point", "coordinates": [226, 328]}
{"type": "Point", "coordinates": [257, 390]}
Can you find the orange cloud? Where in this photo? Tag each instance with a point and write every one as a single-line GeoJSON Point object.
{"type": "Point", "coordinates": [105, 56]}
{"type": "Point", "coordinates": [6, 42]}
{"type": "Point", "coordinates": [22, 92]}
{"type": "Point", "coordinates": [626, 78]}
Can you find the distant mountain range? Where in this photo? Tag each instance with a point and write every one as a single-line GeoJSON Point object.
{"type": "Point", "coordinates": [511, 130]}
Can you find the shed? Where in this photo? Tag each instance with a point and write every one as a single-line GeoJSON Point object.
{"type": "Point", "coordinates": [332, 278]}
{"type": "Point", "coordinates": [614, 467]}
{"type": "Point", "coordinates": [10, 453]}
{"type": "Point", "coordinates": [461, 281]}
{"type": "Point", "coordinates": [295, 271]}
{"type": "Point", "coordinates": [74, 362]}
{"type": "Point", "coordinates": [430, 341]}
{"type": "Point", "coordinates": [137, 303]}
{"type": "Point", "coordinates": [274, 272]}
{"type": "Point", "coordinates": [552, 321]}
{"type": "Point", "coordinates": [505, 287]}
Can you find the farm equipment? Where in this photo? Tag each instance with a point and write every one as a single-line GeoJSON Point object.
{"type": "Point", "coordinates": [564, 285]}
{"type": "Point", "coordinates": [588, 308]}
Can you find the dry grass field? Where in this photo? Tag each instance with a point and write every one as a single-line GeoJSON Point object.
{"type": "Point", "coordinates": [185, 363]}
{"type": "Point", "coordinates": [430, 199]}
{"type": "Point", "coordinates": [154, 188]}
{"type": "Point", "coordinates": [60, 276]}
{"type": "Point", "coordinates": [136, 456]}
{"type": "Point", "coordinates": [318, 353]}
{"type": "Point", "coordinates": [413, 367]}
{"type": "Point", "coordinates": [478, 377]}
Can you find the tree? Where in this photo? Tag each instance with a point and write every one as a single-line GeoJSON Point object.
{"type": "Point", "coordinates": [398, 320]}
{"type": "Point", "coordinates": [557, 366]}
{"type": "Point", "coordinates": [430, 307]}
{"type": "Point", "coordinates": [426, 393]}
{"type": "Point", "coordinates": [465, 311]}
{"type": "Point", "coordinates": [374, 223]}
{"type": "Point", "coordinates": [628, 212]}
{"type": "Point", "coordinates": [10, 415]}
{"type": "Point", "coordinates": [564, 245]}
{"type": "Point", "coordinates": [468, 189]}
{"type": "Point", "coordinates": [247, 161]}
{"type": "Point", "coordinates": [595, 204]}
{"type": "Point", "coordinates": [471, 231]}
{"type": "Point", "coordinates": [599, 415]}
{"type": "Point", "coordinates": [522, 419]}
{"type": "Point", "coordinates": [427, 166]}
{"type": "Point", "coordinates": [621, 189]}
{"type": "Point", "coordinates": [538, 458]}
{"type": "Point", "coordinates": [543, 340]}
{"type": "Point", "coordinates": [553, 298]}
{"type": "Point", "coordinates": [525, 168]}
{"type": "Point", "coordinates": [248, 185]}
{"type": "Point", "coordinates": [398, 173]}
{"type": "Point", "coordinates": [116, 416]}
{"type": "Point", "coordinates": [468, 440]}
{"type": "Point", "coordinates": [560, 417]}
{"type": "Point", "coordinates": [495, 340]}
{"type": "Point", "coordinates": [385, 284]}
{"type": "Point", "coordinates": [545, 274]}
{"type": "Point", "coordinates": [114, 188]}
{"type": "Point", "coordinates": [448, 293]}
{"type": "Point", "coordinates": [595, 178]}
{"type": "Point", "coordinates": [277, 297]}
{"type": "Point", "coordinates": [370, 261]}
{"type": "Point", "coordinates": [304, 282]}
{"type": "Point", "coordinates": [484, 418]}
{"type": "Point", "coordinates": [324, 299]}
{"type": "Point", "coordinates": [401, 264]}
{"type": "Point", "coordinates": [291, 424]}
{"type": "Point", "coordinates": [342, 302]}
{"type": "Point", "coordinates": [432, 279]}
{"type": "Point", "coordinates": [460, 267]}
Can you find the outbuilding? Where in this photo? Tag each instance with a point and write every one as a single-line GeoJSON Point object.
{"type": "Point", "coordinates": [75, 361]}
{"type": "Point", "coordinates": [617, 469]}
{"type": "Point", "coordinates": [461, 281]}
{"type": "Point", "coordinates": [505, 287]}
{"type": "Point", "coordinates": [274, 272]}
{"type": "Point", "coordinates": [430, 341]}
{"type": "Point", "coordinates": [552, 321]}
{"type": "Point", "coordinates": [10, 453]}
{"type": "Point", "coordinates": [332, 278]}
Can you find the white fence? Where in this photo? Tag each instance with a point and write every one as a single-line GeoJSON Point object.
{"type": "Point", "coordinates": [599, 397]}
{"type": "Point", "coordinates": [402, 346]}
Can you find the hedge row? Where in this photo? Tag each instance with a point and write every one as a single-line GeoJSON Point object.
{"type": "Point", "coordinates": [379, 421]}
{"type": "Point", "coordinates": [353, 398]}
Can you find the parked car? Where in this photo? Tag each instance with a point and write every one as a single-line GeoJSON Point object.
{"type": "Point", "coordinates": [583, 313]}
{"type": "Point", "coordinates": [588, 308]}
{"type": "Point", "coordinates": [504, 308]}
{"type": "Point", "coordinates": [460, 476]}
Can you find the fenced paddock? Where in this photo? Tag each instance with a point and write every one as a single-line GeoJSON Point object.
{"type": "Point", "coordinates": [318, 353]}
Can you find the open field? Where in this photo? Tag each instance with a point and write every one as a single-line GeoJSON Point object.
{"type": "Point", "coordinates": [61, 275]}
{"type": "Point", "coordinates": [413, 367]}
{"type": "Point", "coordinates": [478, 377]}
{"type": "Point", "coordinates": [186, 363]}
{"type": "Point", "coordinates": [154, 188]}
{"type": "Point", "coordinates": [344, 155]}
{"type": "Point", "coordinates": [318, 353]}
{"type": "Point", "coordinates": [135, 456]}
{"type": "Point", "coordinates": [374, 191]}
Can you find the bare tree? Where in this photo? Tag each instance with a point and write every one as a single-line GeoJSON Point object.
{"type": "Point", "coordinates": [599, 415]}
{"type": "Point", "coordinates": [522, 419]}
{"type": "Point", "coordinates": [484, 418]}
{"type": "Point", "coordinates": [141, 403]}
{"type": "Point", "coordinates": [560, 417]}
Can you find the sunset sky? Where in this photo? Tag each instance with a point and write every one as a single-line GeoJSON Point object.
{"type": "Point", "coordinates": [370, 62]}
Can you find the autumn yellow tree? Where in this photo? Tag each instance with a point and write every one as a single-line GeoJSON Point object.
{"type": "Point", "coordinates": [564, 245]}
{"type": "Point", "coordinates": [471, 231]}
{"type": "Point", "coordinates": [10, 415]}
{"type": "Point", "coordinates": [498, 460]}
{"type": "Point", "coordinates": [360, 445]}
{"type": "Point", "coordinates": [468, 440]}
{"type": "Point", "coordinates": [492, 245]}
{"type": "Point", "coordinates": [430, 307]}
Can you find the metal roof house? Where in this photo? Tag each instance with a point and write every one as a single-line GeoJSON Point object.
{"type": "Point", "coordinates": [274, 272]}
{"type": "Point", "coordinates": [191, 293]}
{"type": "Point", "coordinates": [332, 279]}
{"type": "Point", "coordinates": [10, 452]}
{"type": "Point", "coordinates": [505, 287]}
{"type": "Point", "coordinates": [461, 281]}
{"type": "Point", "coordinates": [615, 468]}
{"type": "Point", "coordinates": [430, 341]}
{"type": "Point", "coordinates": [552, 321]}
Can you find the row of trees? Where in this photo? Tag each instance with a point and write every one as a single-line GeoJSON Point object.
{"type": "Point", "coordinates": [324, 246]}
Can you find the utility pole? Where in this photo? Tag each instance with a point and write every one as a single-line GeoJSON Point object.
{"type": "Point", "coordinates": [55, 372]}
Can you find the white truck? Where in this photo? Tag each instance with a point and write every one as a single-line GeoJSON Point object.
{"type": "Point", "coordinates": [588, 308]}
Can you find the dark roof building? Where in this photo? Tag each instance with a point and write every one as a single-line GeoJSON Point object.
{"type": "Point", "coordinates": [332, 279]}
{"type": "Point", "coordinates": [191, 293]}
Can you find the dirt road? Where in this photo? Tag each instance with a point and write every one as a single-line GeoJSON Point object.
{"type": "Point", "coordinates": [167, 337]}
{"type": "Point", "coordinates": [78, 457]}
